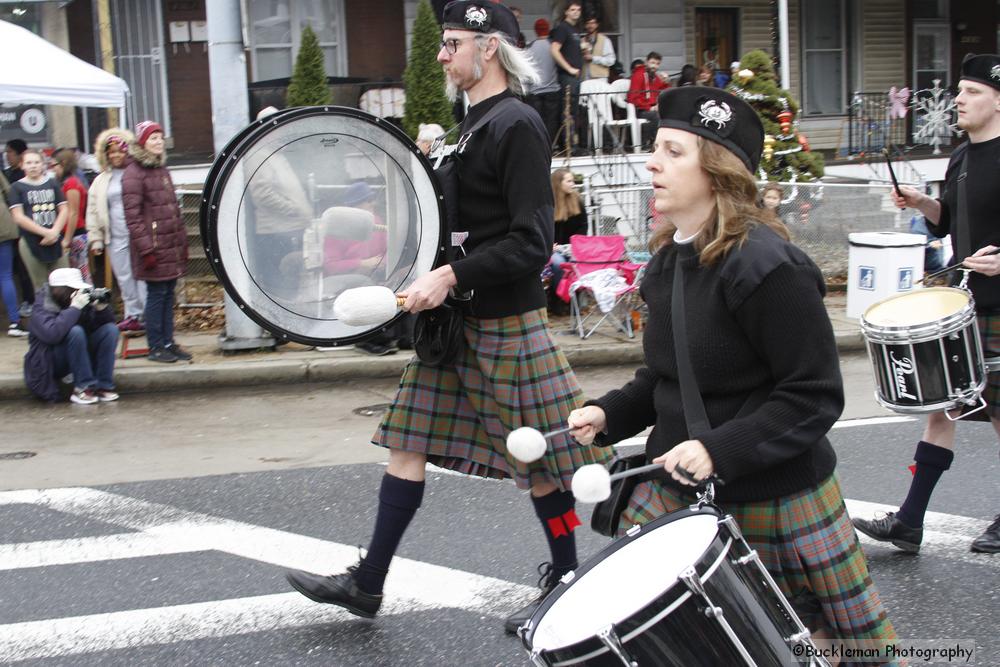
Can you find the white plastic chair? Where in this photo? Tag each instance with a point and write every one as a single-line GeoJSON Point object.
{"type": "Point", "coordinates": [384, 102]}
{"type": "Point", "coordinates": [619, 93]}
{"type": "Point", "coordinates": [594, 94]}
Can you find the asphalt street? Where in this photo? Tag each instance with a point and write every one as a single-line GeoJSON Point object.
{"type": "Point", "coordinates": [156, 531]}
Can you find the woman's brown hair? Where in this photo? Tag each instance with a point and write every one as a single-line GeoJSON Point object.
{"type": "Point", "coordinates": [735, 212]}
{"type": "Point", "coordinates": [567, 204]}
{"type": "Point", "coordinates": [66, 159]}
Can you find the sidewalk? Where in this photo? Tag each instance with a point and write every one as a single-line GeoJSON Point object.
{"type": "Point", "coordinates": [297, 363]}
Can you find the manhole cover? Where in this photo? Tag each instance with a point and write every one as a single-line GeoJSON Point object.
{"type": "Point", "coordinates": [372, 410]}
{"type": "Point", "coordinates": [13, 456]}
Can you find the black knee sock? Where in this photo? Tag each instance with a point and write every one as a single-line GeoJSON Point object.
{"type": "Point", "coordinates": [932, 461]}
{"type": "Point", "coordinates": [398, 503]}
{"type": "Point", "coordinates": [558, 518]}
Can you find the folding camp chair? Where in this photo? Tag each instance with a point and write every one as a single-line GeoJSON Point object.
{"type": "Point", "coordinates": [600, 268]}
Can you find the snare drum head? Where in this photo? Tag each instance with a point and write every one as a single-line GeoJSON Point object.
{"type": "Point", "coordinates": [630, 577]}
{"type": "Point", "coordinates": [313, 201]}
{"type": "Point", "coordinates": [923, 306]}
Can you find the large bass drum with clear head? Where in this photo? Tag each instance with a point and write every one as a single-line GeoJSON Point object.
{"type": "Point", "coordinates": [312, 201]}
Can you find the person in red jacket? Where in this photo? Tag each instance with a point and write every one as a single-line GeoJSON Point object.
{"type": "Point", "coordinates": [159, 247]}
{"type": "Point", "coordinates": [643, 91]}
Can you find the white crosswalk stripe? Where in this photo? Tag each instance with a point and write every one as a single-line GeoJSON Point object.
{"type": "Point", "coordinates": [158, 530]}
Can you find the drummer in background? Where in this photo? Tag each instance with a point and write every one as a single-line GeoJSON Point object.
{"type": "Point", "coordinates": [978, 104]}
{"type": "Point", "coordinates": [761, 345]}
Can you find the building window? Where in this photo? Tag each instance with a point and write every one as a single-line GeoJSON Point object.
{"type": "Point", "coordinates": [275, 28]}
{"type": "Point", "coordinates": [824, 57]}
{"type": "Point", "coordinates": [931, 54]}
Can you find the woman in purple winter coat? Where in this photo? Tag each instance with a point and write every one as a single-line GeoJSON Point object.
{"type": "Point", "coordinates": [158, 238]}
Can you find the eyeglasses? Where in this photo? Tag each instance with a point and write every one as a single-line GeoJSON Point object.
{"type": "Point", "coordinates": [451, 45]}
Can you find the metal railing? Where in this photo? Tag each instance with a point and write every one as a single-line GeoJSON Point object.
{"type": "Point", "coordinates": [870, 125]}
{"type": "Point", "coordinates": [819, 217]}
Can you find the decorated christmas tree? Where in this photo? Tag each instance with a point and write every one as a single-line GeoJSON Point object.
{"type": "Point", "coordinates": [787, 156]}
{"type": "Point", "coordinates": [426, 101]}
{"type": "Point", "coordinates": [308, 85]}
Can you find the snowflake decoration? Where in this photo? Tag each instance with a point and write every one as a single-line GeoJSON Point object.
{"type": "Point", "coordinates": [934, 117]}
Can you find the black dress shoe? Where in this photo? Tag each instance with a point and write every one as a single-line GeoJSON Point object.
{"type": "Point", "coordinates": [989, 541]}
{"type": "Point", "coordinates": [524, 614]}
{"type": "Point", "coordinates": [338, 589]}
{"type": "Point", "coordinates": [891, 529]}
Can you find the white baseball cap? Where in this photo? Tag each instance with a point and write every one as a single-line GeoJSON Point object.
{"type": "Point", "coordinates": [67, 278]}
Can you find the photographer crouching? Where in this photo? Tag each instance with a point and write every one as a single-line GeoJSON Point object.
{"type": "Point", "coordinates": [72, 330]}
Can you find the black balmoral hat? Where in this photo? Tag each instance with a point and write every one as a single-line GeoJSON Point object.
{"type": "Point", "coordinates": [715, 115]}
{"type": "Point", "coordinates": [484, 16]}
{"type": "Point", "coordinates": [982, 69]}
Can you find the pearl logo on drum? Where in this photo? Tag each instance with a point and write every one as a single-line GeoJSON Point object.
{"type": "Point", "coordinates": [901, 367]}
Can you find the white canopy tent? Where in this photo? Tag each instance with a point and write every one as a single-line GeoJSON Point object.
{"type": "Point", "coordinates": [39, 72]}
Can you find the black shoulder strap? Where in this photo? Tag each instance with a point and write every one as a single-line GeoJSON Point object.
{"type": "Point", "coordinates": [694, 407]}
{"type": "Point", "coordinates": [962, 228]}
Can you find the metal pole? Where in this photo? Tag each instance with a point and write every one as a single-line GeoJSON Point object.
{"type": "Point", "coordinates": [108, 55]}
{"type": "Point", "coordinates": [786, 58]}
{"type": "Point", "coordinates": [228, 80]}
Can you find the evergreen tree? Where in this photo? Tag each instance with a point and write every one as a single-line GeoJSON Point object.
{"type": "Point", "coordinates": [308, 85]}
{"type": "Point", "coordinates": [786, 152]}
{"type": "Point", "coordinates": [426, 101]}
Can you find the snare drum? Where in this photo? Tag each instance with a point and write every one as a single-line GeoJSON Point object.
{"type": "Point", "coordinates": [925, 350]}
{"type": "Point", "coordinates": [685, 589]}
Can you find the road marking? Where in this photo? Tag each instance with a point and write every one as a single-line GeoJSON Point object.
{"type": "Point", "coordinates": [411, 585]}
{"type": "Point", "coordinates": [872, 421]}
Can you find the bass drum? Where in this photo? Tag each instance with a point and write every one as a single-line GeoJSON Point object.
{"type": "Point", "coordinates": [312, 201]}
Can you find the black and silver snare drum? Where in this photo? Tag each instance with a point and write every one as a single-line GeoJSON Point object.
{"type": "Point", "coordinates": [925, 350]}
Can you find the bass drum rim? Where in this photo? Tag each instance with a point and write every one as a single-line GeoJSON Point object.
{"type": "Point", "coordinates": [217, 178]}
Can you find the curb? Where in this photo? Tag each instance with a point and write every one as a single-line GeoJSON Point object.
{"type": "Point", "coordinates": [299, 370]}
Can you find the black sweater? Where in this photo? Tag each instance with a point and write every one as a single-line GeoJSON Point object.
{"type": "Point", "coordinates": [574, 224]}
{"type": "Point", "coordinates": [754, 319]}
{"type": "Point", "coordinates": [984, 212]}
{"type": "Point", "coordinates": [505, 204]}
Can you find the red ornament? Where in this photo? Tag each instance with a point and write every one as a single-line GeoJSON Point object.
{"type": "Point", "coordinates": [785, 120]}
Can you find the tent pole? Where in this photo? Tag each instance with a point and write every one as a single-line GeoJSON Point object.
{"type": "Point", "coordinates": [86, 132]}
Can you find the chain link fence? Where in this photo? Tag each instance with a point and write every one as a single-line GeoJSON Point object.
{"type": "Point", "coordinates": [819, 217]}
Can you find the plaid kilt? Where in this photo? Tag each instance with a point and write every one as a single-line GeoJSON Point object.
{"type": "Point", "coordinates": [807, 543]}
{"type": "Point", "coordinates": [989, 333]}
{"type": "Point", "coordinates": [511, 374]}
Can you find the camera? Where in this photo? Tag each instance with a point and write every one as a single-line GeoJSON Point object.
{"type": "Point", "coordinates": [98, 294]}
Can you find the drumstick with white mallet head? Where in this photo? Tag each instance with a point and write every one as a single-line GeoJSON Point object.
{"type": "Point", "coordinates": [592, 483]}
{"type": "Point", "coordinates": [365, 306]}
{"type": "Point", "coordinates": [527, 444]}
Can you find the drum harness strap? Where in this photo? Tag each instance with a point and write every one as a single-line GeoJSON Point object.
{"type": "Point", "coordinates": [964, 242]}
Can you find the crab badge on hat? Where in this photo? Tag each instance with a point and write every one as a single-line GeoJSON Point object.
{"type": "Point", "coordinates": [715, 115]}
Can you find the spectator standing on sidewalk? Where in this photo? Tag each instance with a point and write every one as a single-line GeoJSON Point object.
{"type": "Point", "coordinates": [564, 45]}
{"type": "Point", "coordinates": [74, 242]}
{"type": "Point", "coordinates": [544, 96]}
{"type": "Point", "coordinates": [159, 249]}
{"type": "Point", "coordinates": [8, 246]}
{"type": "Point", "coordinates": [39, 208]}
{"type": "Point", "coordinates": [70, 333]}
{"type": "Point", "coordinates": [13, 151]}
{"type": "Point", "coordinates": [106, 228]}
{"type": "Point", "coordinates": [598, 51]}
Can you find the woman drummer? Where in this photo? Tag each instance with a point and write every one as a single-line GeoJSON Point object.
{"type": "Point", "coordinates": [758, 334]}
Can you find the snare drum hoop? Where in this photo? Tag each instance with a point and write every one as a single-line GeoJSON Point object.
{"type": "Point", "coordinates": [705, 572]}
{"type": "Point", "coordinates": [919, 333]}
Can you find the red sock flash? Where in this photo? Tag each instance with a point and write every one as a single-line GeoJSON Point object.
{"type": "Point", "coordinates": [564, 525]}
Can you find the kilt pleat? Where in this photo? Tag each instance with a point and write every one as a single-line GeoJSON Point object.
{"type": "Point", "coordinates": [807, 543]}
{"type": "Point", "coordinates": [511, 374]}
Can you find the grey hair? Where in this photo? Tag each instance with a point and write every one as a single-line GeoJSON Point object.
{"type": "Point", "coordinates": [516, 63]}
